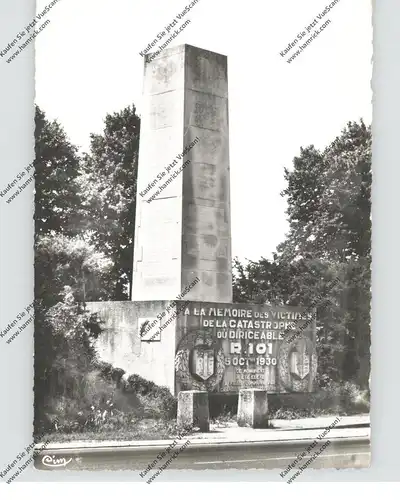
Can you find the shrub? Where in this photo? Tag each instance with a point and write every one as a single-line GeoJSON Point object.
{"type": "Point", "coordinates": [159, 406]}
{"type": "Point", "coordinates": [104, 401]}
{"type": "Point", "coordinates": [139, 385]}
{"type": "Point", "coordinates": [157, 401]}
{"type": "Point", "coordinates": [345, 398]}
{"type": "Point", "coordinates": [354, 399]}
{"type": "Point", "coordinates": [100, 404]}
{"type": "Point", "coordinates": [109, 372]}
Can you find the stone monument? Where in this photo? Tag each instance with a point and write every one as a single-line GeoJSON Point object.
{"type": "Point", "coordinates": [183, 221]}
{"type": "Point", "coordinates": [181, 329]}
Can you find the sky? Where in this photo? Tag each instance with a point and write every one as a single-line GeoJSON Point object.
{"type": "Point", "coordinates": [88, 64]}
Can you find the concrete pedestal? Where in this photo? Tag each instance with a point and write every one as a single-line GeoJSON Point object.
{"type": "Point", "coordinates": [253, 408]}
{"type": "Point", "coordinates": [193, 410]}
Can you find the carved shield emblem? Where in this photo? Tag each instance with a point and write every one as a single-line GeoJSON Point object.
{"type": "Point", "coordinates": [202, 362]}
{"type": "Point", "coordinates": [199, 361]}
{"type": "Point", "coordinates": [300, 360]}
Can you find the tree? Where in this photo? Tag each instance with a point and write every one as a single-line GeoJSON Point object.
{"type": "Point", "coordinates": [56, 172]}
{"type": "Point", "coordinates": [59, 259]}
{"type": "Point", "coordinates": [328, 194]}
{"type": "Point", "coordinates": [108, 192]}
{"type": "Point", "coordinates": [64, 332]}
{"type": "Point", "coordinates": [328, 197]}
{"type": "Point", "coordinates": [83, 247]}
{"type": "Point", "coordinates": [329, 215]}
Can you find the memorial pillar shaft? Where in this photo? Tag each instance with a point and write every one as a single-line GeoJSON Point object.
{"type": "Point", "coordinates": [183, 228]}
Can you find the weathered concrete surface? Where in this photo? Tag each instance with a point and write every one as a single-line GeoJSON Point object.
{"type": "Point", "coordinates": [193, 410]}
{"type": "Point", "coordinates": [122, 345]}
{"type": "Point", "coordinates": [245, 348]}
{"type": "Point", "coordinates": [206, 346]}
{"type": "Point", "coordinates": [253, 408]}
{"type": "Point", "coordinates": [206, 228]}
{"type": "Point", "coordinates": [184, 232]}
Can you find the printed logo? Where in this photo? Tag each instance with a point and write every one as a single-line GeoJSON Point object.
{"type": "Point", "coordinates": [55, 462]}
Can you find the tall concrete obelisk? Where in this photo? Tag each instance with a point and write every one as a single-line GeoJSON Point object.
{"type": "Point", "coordinates": [183, 195]}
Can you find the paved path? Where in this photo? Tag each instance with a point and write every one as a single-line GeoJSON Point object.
{"type": "Point", "coordinates": [223, 448]}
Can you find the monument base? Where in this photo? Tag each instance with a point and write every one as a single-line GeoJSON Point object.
{"type": "Point", "coordinates": [212, 347]}
{"type": "Point", "coordinates": [193, 410]}
{"type": "Point", "coordinates": [253, 408]}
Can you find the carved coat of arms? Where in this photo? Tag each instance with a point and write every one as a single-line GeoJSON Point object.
{"type": "Point", "coordinates": [202, 362]}
{"type": "Point", "coordinates": [297, 365]}
{"type": "Point", "coordinates": [300, 360]}
{"type": "Point", "coordinates": [199, 361]}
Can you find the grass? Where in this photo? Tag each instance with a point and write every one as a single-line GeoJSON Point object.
{"type": "Point", "coordinates": [147, 429]}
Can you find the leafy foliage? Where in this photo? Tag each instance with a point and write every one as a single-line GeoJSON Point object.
{"type": "Point", "coordinates": [158, 400]}
{"type": "Point", "coordinates": [343, 398]}
{"type": "Point", "coordinates": [328, 197]}
{"type": "Point", "coordinates": [328, 194]}
{"type": "Point", "coordinates": [70, 261]}
{"type": "Point", "coordinates": [56, 172]}
{"type": "Point", "coordinates": [68, 271]}
{"type": "Point", "coordinates": [103, 402]}
{"type": "Point", "coordinates": [64, 331]}
{"type": "Point", "coordinates": [108, 194]}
